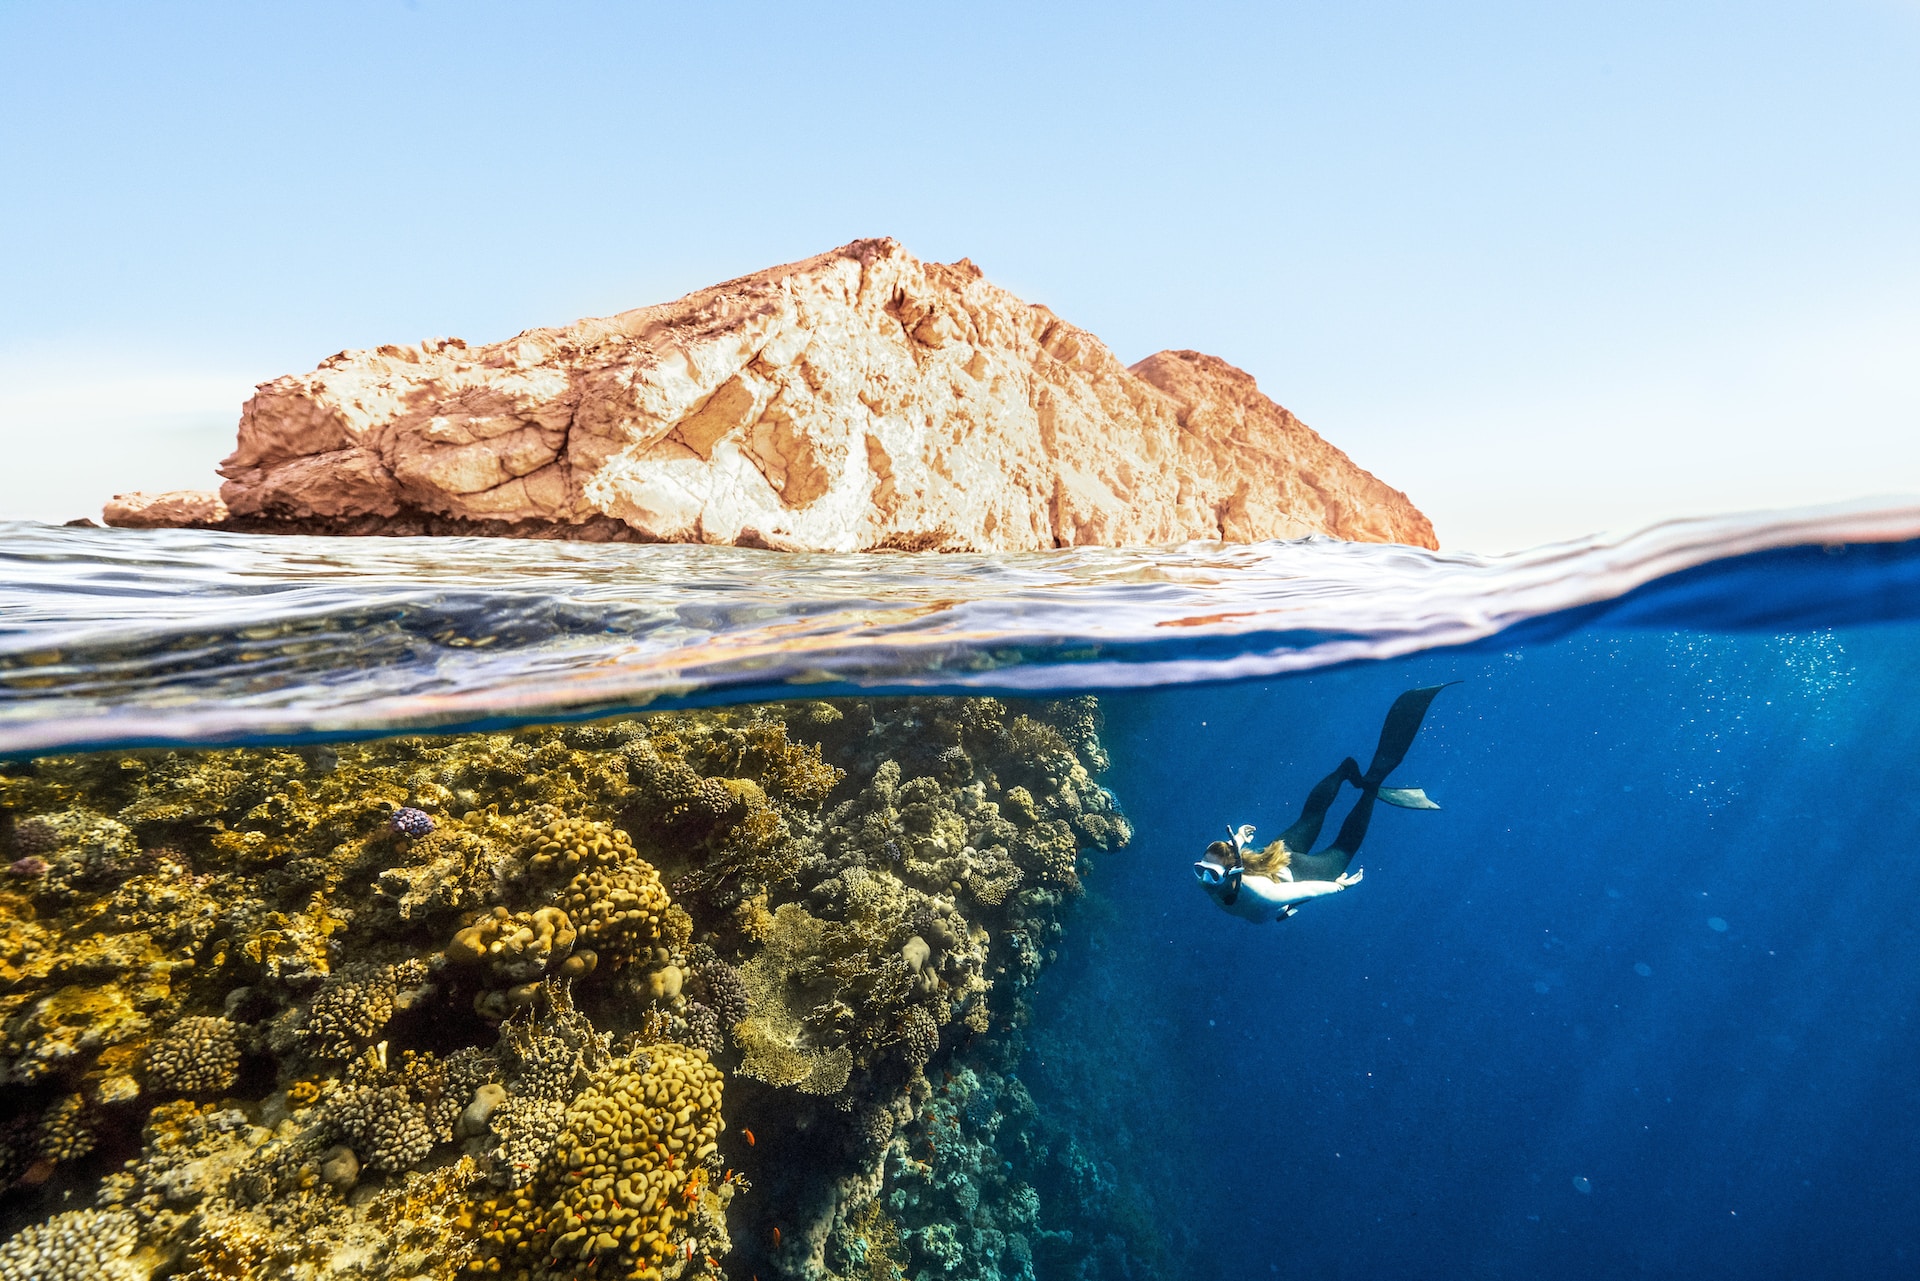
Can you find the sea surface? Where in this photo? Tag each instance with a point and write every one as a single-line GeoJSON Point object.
{"type": "Point", "coordinates": [1641, 998]}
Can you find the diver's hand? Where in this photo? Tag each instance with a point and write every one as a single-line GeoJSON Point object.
{"type": "Point", "coordinates": [1350, 878]}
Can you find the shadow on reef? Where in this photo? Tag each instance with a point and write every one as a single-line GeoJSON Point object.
{"type": "Point", "coordinates": [728, 993]}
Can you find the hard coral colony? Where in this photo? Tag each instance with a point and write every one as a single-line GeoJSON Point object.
{"type": "Point", "coordinates": [516, 1004]}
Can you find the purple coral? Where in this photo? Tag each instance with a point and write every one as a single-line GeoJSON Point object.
{"type": "Point", "coordinates": [25, 868]}
{"type": "Point", "coordinates": [723, 989]}
{"type": "Point", "coordinates": [34, 836]}
{"type": "Point", "coordinates": [409, 821]}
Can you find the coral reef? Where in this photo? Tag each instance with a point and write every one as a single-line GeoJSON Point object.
{"type": "Point", "coordinates": [408, 821]}
{"type": "Point", "coordinates": [78, 1245]}
{"type": "Point", "coordinates": [348, 1011]}
{"type": "Point", "coordinates": [628, 1180]}
{"type": "Point", "coordinates": [198, 1055]}
{"type": "Point", "coordinates": [471, 1005]}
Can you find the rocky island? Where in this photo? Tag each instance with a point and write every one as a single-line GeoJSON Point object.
{"type": "Point", "coordinates": [858, 400]}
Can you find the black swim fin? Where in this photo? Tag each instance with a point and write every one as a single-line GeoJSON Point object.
{"type": "Point", "coordinates": [1397, 733]}
{"type": "Point", "coordinates": [1396, 737]}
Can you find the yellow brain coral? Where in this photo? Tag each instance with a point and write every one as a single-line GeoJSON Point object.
{"type": "Point", "coordinates": [625, 1182]}
{"type": "Point", "coordinates": [569, 844]}
{"type": "Point", "coordinates": [614, 899]}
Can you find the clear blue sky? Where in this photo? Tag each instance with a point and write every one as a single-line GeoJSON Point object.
{"type": "Point", "coordinates": [1548, 267]}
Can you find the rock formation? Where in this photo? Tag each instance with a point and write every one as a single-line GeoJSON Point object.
{"type": "Point", "coordinates": [168, 510]}
{"type": "Point", "coordinates": [857, 400]}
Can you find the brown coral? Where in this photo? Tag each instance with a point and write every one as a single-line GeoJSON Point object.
{"type": "Point", "coordinates": [775, 1043]}
{"type": "Point", "coordinates": [66, 1130]}
{"type": "Point", "coordinates": [197, 1055]}
{"type": "Point", "coordinates": [348, 1011]}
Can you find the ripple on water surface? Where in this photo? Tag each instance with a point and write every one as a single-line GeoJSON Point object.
{"type": "Point", "coordinates": [120, 637]}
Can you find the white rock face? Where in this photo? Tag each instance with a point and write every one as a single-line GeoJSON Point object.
{"type": "Point", "coordinates": [857, 400]}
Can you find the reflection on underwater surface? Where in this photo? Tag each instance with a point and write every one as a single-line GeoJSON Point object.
{"type": "Point", "coordinates": [873, 987]}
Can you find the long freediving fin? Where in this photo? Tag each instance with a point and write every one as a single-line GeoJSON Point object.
{"type": "Point", "coordinates": [1408, 798]}
{"type": "Point", "coordinates": [1396, 735]}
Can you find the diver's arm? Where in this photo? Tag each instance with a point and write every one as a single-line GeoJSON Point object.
{"type": "Point", "coordinates": [1282, 892]}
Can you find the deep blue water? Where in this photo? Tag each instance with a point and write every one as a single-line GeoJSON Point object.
{"type": "Point", "coordinates": [1639, 1001]}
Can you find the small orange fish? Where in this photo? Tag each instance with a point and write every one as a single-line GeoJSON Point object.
{"type": "Point", "coordinates": [749, 1136]}
{"type": "Point", "coordinates": [776, 1237]}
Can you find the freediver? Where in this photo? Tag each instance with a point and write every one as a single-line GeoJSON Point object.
{"type": "Point", "coordinates": [1265, 884]}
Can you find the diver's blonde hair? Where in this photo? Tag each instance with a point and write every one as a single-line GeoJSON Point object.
{"type": "Point", "coordinates": [1267, 861]}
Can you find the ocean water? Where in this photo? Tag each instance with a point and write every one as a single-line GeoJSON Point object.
{"type": "Point", "coordinates": [1638, 999]}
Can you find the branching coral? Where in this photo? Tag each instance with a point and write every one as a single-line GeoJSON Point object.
{"type": "Point", "coordinates": [719, 986]}
{"type": "Point", "coordinates": [77, 1245]}
{"type": "Point", "coordinates": [920, 1036]}
{"type": "Point", "coordinates": [388, 1129]}
{"type": "Point", "coordinates": [349, 1011]}
{"type": "Point", "coordinates": [394, 1115]}
{"type": "Point", "coordinates": [66, 1130]}
{"type": "Point", "coordinates": [783, 990]}
{"type": "Point", "coordinates": [198, 1055]}
{"type": "Point", "coordinates": [871, 1245]}
{"type": "Point", "coordinates": [547, 1057]}
{"type": "Point", "coordinates": [672, 793]}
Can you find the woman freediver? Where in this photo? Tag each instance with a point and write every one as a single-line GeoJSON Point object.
{"type": "Point", "coordinates": [1264, 885]}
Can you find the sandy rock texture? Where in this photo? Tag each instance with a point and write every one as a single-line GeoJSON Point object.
{"type": "Point", "coordinates": [167, 510]}
{"type": "Point", "coordinates": [857, 400]}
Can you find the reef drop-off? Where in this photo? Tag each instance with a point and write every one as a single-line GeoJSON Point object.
{"type": "Point", "coordinates": [699, 994]}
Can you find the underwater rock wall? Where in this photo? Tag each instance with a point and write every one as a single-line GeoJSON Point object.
{"type": "Point", "coordinates": [727, 993]}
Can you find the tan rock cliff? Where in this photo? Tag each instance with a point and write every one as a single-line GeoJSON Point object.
{"type": "Point", "coordinates": [859, 399]}
{"type": "Point", "coordinates": [167, 510]}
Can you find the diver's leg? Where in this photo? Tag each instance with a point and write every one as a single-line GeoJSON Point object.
{"type": "Point", "coordinates": [1306, 829]}
{"type": "Point", "coordinates": [1396, 736]}
{"type": "Point", "coordinates": [1397, 733]}
{"type": "Point", "coordinates": [1333, 860]}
